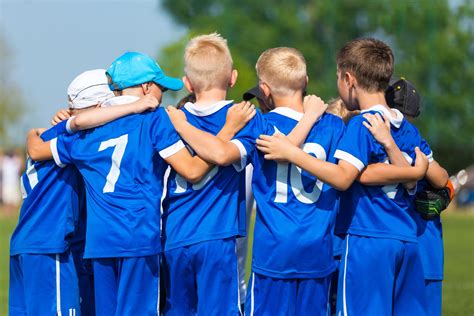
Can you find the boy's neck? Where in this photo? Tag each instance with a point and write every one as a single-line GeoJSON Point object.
{"type": "Point", "coordinates": [294, 102]}
{"type": "Point", "coordinates": [134, 92]}
{"type": "Point", "coordinates": [370, 99]}
{"type": "Point", "coordinates": [209, 97]}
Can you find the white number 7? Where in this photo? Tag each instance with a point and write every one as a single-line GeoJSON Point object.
{"type": "Point", "coordinates": [120, 143]}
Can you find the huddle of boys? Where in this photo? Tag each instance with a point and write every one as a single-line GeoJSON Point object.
{"type": "Point", "coordinates": [303, 185]}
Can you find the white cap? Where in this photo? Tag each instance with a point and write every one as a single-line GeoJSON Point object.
{"type": "Point", "coordinates": [88, 89]}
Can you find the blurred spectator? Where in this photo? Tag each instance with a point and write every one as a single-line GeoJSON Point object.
{"type": "Point", "coordinates": [10, 165]}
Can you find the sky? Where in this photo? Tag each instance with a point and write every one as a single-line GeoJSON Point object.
{"type": "Point", "coordinates": [52, 41]}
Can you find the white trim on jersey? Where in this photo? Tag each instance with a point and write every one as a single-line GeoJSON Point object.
{"type": "Point", "coordinates": [68, 124]}
{"type": "Point", "coordinates": [252, 298]}
{"type": "Point", "coordinates": [54, 150]}
{"type": "Point", "coordinates": [240, 165]}
{"type": "Point", "coordinates": [58, 285]}
{"type": "Point", "coordinates": [297, 116]}
{"type": "Point", "coordinates": [344, 300]}
{"type": "Point", "coordinates": [208, 110]}
{"type": "Point", "coordinates": [171, 150]}
{"type": "Point", "coordinates": [395, 121]}
{"type": "Point", "coordinates": [339, 154]}
{"type": "Point", "coordinates": [430, 157]}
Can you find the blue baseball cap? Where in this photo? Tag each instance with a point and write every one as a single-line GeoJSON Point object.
{"type": "Point", "coordinates": [132, 69]}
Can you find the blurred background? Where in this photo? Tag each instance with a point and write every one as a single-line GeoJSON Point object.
{"type": "Point", "coordinates": [44, 44]}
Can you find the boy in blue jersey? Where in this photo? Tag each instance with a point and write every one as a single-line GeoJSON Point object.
{"type": "Point", "coordinates": [50, 233]}
{"type": "Point", "coordinates": [123, 164]}
{"type": "Point", "coordinates": [381, 252]}
{"type": "Point", "coordinates": [403, 96]}
{"type": "Point", "coordinates": [202, 221]}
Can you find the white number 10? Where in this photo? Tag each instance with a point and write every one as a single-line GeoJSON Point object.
{"type": "Point", "coordinates": [296, 181]}
{"type": "Point", "coordinates": [120, 143]}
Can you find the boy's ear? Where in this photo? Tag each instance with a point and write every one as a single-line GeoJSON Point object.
{"type": "Point", "coordinates": [349, 79]}
{"type": "Point", "coordinates": [145, 88]}
{"type": "Point", "coordinates": [233, 77]}
{"type": "Point", "coordinates": [265, 89]}
{"type": "Point", "coordinates": [307, 80]}
{"type": "Point", "coordinates": [188, 84]}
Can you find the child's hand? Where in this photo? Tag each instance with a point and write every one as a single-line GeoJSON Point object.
{"type": "Point", "coordinates": [39, 131]}
{"type": "Point", "coordinates": [276, 147]}
{"type": "Point", "coordinates": [421, 163]}
{"type": "Point", "coordinates": [145, 103]}
{"type": "Point", "coordinates": [238, 115]}
{"type": "Point", "coordinates": [176, 116]}
{"type": "Point", "coordinates": [314, 106]}
{"type": "Point", "coordinates": [60, 116]}
{"type": "Point", "coordinates": [379, 128]}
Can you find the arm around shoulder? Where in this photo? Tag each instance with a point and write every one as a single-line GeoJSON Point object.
{"type": "Point", "coordinates": [37, 148]}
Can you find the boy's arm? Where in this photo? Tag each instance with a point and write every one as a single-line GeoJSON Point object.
{"type": "Point", "coordinates": [436, 175]}
{"type": "Point", "coordinates": [193, 168]}
{"type": "Point", "coordinates": [102, 115]}
{"type": "Point", "coordinates": [314, 107]}
{"type": "Point", "coordinates": [212, 149]}
{"type": "Point", "coordinates": [38, 149]}
{"type": "Point", "coordinates": [378, 174]}
{"type": "Point", "coordinates": [340, 176]}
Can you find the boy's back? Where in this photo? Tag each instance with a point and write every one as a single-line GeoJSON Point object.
{"type": "Point", "coordinates": [295, 211]}
{"type": "Point", "coordinates": [210, 209]}
{"type": "Point", "coordinates": [378, 211]}
{"type": "Point", "coordinates": [122, 192]}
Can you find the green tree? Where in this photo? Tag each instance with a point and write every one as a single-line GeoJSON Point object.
{"type": "Point", "coordinates": [432, 43]}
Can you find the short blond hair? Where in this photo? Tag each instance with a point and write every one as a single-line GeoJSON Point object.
{"type": "Point", "coordinates": [207, 62]}
{"type": "Point", "coordinates": [337, 107]}
{"type": "Point", "coordinates": [283, 69]}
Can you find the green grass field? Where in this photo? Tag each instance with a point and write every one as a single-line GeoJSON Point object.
{"type": "Point", "coordinates": [458, 290]}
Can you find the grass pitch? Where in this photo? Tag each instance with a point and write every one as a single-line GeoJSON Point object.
{"type": "Point", "coordinates": [458, 288]}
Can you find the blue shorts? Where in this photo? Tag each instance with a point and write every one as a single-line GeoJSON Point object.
{"type": "Point", "coordinates": [202, 278]}
{"type": "Point", "coordinates": [270, 296]}
{"type": "Point", "coordinates": [127, 286]}
{"type": "Point", "coordinates": [85, 278]}
{"type": "Point", "coordinates": [43, 284]}
{"type": "Point", "coordinates": [434, 289]}
{"type": "Point", "coordinates": [380, 276]}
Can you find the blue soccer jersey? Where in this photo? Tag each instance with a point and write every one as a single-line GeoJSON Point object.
{"type": "Point", "coordinates": [122, 164]}
{"type": "Point", "coordinates": [52, 203]}
{"type": "Point", "coordinates": [377, 211]}
{"type": "Point", "coordinates": [212, 209]}
{"type": "Point", "coordinates": [295, 211]}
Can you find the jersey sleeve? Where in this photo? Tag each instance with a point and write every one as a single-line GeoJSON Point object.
{"type": "Point", "coordinates": [54, 131]}
{"type": "Point", "coordinates": [61, 148]}
{"type": "Point", "coordinates": [356, 145]}
{"type": "Point", "coordinates": [246, 139]}
{"type": "Point", "coordinates": [426, 149]}
{"type": "Point", "coordinates": [165, 139]}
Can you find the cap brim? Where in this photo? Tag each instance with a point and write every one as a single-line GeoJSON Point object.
{"type": "Point", "coordinates": [253, 93]}
{"type": "Point", "coordinates": [170, 83]}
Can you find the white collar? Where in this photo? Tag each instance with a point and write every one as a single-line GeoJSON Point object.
{"type": "Point", "coordinates": [118, 100]}
{"type": "Point", "coordinates": [213, 108]}
{"type": "Point", "coordinates": [395, 121]}
{"type": "Point", "coordinates": [288, 112]}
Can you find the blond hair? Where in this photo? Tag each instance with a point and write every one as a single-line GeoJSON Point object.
{"type": "Point", "coordinates": [337, 107]}
{"type": "Point", "coordinates": [207, 62]}
{"type": "Point", "coordinates": [283, 69]}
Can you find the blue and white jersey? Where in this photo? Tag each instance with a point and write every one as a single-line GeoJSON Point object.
{"type": "Point", "coordinates": [377, 211]}
{"type": "Point", "coordinates": [212, 209]}
{"type": "Point", "coordinates": [52, 203]}
{"type": "Point", "coordinates": [122, 164]}
{"type": "Point", "coordinates": [295, 211]}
